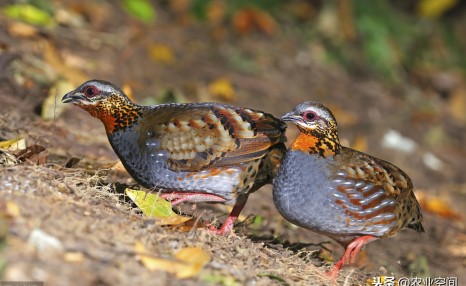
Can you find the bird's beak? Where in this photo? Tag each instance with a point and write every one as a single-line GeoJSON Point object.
{"type": "Point", "coordinates": [291, 116]}
{"type": "Point", "coordinates": [73, 96]}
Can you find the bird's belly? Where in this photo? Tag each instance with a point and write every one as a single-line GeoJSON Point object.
{"type": "Point", "coordinates": [151, 170]}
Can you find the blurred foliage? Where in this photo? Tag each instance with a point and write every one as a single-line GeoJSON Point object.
{"type": "Point", "coordinates": [201, 8]}
{"type": "Point", "coordinates": [142, 10]}
{"type": "Point", "coordinates": [384, 38]}
{"type": "Point", "coordinates": [391, 39]}
{"type": "Point", "coordinates": [29, 13]}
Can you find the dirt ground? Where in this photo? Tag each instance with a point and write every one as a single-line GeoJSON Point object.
{"type": "Point", "coordinates": [94, 229]}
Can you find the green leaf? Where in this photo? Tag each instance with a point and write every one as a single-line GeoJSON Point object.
{"type": "Point", "coordinates": [140, 9]}
{"type": "Point", "coordinates": [28, 13]}
{"type": "Point", "coordinates": [150, 204]}
{"type": "Point", "coordinates": [154, 206]}
{"type": "Point", "coordinates": [257, 222]}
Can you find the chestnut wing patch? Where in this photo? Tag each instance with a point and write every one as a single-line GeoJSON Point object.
{"type": "Point", "coordinates": [194, 139]}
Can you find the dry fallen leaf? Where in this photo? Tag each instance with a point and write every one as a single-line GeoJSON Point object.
{"type": "Point", "coordinates": [154, 206]}
{"type": "Point", "coordinates": [457, 104]}
{"type": "Point", "coordinates": [9, 210]}
{"type": "Point", "coordinates": [245, 20]}
{"type": "Point", "coordinates": [19, 29]}
{"type": "Point", "coordinates": [360, 143]}
{"type": "Point", "coordinates": [162, 53]}
{"type": "Point", "coordinates": [35, 154]}
{"type": "Point", "coordinates": [187, 263]}
{"type": "Point", "coordinates": [436, 206]}
{"type": "Point", "coordinates": [73, 256]}
{"type": "Point", "coordinates": [223, 89]}
{"type": "Point", "coordinates": [216, 12]}
{"type": "Point", "coordinates": [13, 145]}
{"type": "Point", "coordinates": [195, 259]}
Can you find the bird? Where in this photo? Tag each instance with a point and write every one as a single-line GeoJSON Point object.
{"type": "Point", "coordinates": [347, 195]}
{"type": "Point", "coordinates": [188, 152]}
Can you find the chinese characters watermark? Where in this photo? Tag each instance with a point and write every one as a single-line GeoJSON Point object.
{"type": "Point", "coordinates": [414, 281]}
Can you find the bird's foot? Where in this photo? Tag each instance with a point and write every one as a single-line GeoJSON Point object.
{"type": "Point", "coordinates": [227, 226]}
{"type": "Point", "coordinates": [351, 252]}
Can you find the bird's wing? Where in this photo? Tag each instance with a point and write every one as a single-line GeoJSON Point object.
{"type": "Point", "coordinates": [197, 136]}
{"type": "Point", "coordinates": [376, 194]}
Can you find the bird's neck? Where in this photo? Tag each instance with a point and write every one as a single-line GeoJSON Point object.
{"type": "Point", "coordinates": [115, 113]}
{"type": "Point", "coordinates": [317, 144]}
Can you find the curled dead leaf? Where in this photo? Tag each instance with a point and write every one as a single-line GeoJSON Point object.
{"type": "Point", "coordinates": [35, 154]}
{"type": "Point", "coordinates": [188, 262]}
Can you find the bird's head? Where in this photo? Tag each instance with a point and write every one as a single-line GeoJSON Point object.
{"type": "Point", "coordinates": [94, 93]}
{"type": "Point", "coordinates": [106, 102]}
{"type": "Point", "coordinates": [312, 117]}
{"type": "Point", "coordinates": [317, 124]}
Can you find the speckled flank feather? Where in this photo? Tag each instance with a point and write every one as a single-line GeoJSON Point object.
{"type": "Point", "coordinates": [375, 194]}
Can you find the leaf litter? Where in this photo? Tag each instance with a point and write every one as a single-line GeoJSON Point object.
{"type": "Point", "coordinates": [93, 224]}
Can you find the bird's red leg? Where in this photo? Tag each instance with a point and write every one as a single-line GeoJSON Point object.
{"type": "Point", "coordinates": [351, 252]}
{"type": "Point", "coordinates": [359, 243]}
{"type": "Point", "coordinates": [176, 198]}
{"type": "Point", "coordinates": [232, 217]}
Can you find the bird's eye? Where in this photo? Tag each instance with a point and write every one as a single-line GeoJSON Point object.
{"type": "Point", "coordinates": [91, 91]}
{"type": "Point", "coordinates": [310, 115]}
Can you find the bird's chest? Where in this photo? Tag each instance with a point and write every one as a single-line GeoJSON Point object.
{"type": "Point", "coordinates": [303, 173]}
{"type": "Point", "coordinates": [303, 190]}
{"type": "Point", "coordinates": [136, 157]}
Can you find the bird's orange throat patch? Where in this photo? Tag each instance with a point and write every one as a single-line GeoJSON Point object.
{"type": "Point", "coordinates": [115, 113]}
{"type": "Point", "coordinates": [323, 146]}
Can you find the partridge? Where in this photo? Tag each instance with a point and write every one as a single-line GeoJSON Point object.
{"type": "Point", "coordinates": [350, 196]}
{"type": "Point", "coordinates": [193, 152]}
